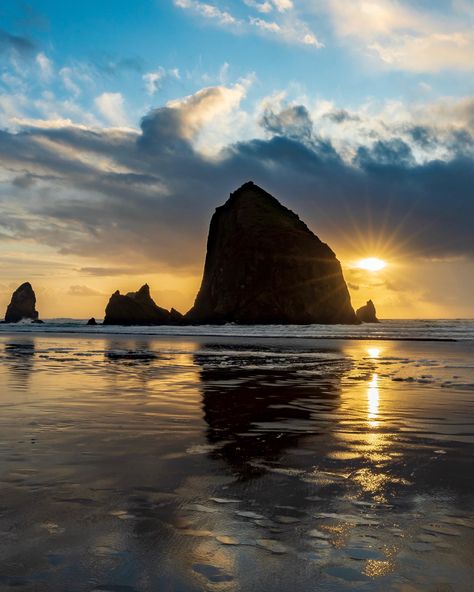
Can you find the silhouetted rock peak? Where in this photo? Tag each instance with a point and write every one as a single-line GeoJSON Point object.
{"type": "Point", "coordinates": [367, 313]}
{"type": "Point", "coordinates": [91, 321]}
{"type": "Point", "coordinates": [22, 305]}
{"type": "Point", "coordinates": [137, 308]}
{"type": "Point", "coordinates": [264, 265]}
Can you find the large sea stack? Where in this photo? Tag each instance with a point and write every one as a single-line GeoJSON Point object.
{"type": "Point", "coordinates": [22, 305]}
{"type": "Point", "coordinates": [138, 308]}
{"type": "Point", "coordinates": [264, 265]}
{"type": "Point", "coordinates": [367, 313]}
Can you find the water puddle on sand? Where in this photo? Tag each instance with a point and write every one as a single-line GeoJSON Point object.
{"type": "Point", "coordinates": [143, 463]}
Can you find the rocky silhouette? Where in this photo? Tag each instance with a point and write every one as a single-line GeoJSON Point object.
{"type": "Point", "coordinates": [138, 308]}
{"type": "Point", "coordinates": [367, 313]}
{"type": "Point", "coordinates": [91, 321]}
{"type": "Point", "coordinates": [264, 265]}
{"type": "Point", "coordinates": [22, 305]}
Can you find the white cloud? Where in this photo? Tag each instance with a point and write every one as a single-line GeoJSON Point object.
{"type": "Point", "coordinates": [286, 26]}
{"type": "Point", "coordinates": [405, 38]}
{"type": "Point", "coordinates": [291, 30]}
{"type": "Point", "coordinates": [282, 5]}
{"type": "Point", "coordinates": [75, 77]}
{"type": "Point", "coordinates": [265, 25]}
{"type": "Point", "coordinates": [208, 11]}
{"type": "Point", "coordinates": [153, 80]}
{"type": "Point", "coordinates": [45, 67]}
{"type": "Point", "coordinates": [263, 7]}
{"type": "Point", "coordinates": [111, 107]}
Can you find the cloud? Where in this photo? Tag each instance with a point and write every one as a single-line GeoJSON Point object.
{"type": "Point", "coordinates": [208, 11]}
{"type": "Point", "coordinates": [154, 80]}
{"type": "Point", "coordinates": [292, 31]}
{"type": "Point", "coordinates": [111, 107]}
{"type": "Point", "coordinates": [263, 7]}
{"type": "Point", "coordinates": [282, 5]}
{"type": "Point", "coordinates": [270, 5]}
{"type": "Point", "coordinates": [286, 26]}
{"type": "Point", "coordinates": [82, 291]}
{"type": "Point", "coordinates": [185, 118]}
{"type": "Point", "coordinates": [404, 37]}
{"type": "Point", "coordinates": [143, 199]}
{"type": "Point", "coordinates": [45, 67]}
{"type": "Point", "coordinates": [341, 116]}
{"type": "Point", "coordinates": [293, 122]}
{"type": "Point", "coordinates": [110, 271]}
{"type": "Point", "coordinates": [21, 46]}
{"type": "Point", "coordinates": [76, 77]}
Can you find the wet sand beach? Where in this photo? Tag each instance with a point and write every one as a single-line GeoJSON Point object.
{"type": "Point", "coordinates": [141, 463]}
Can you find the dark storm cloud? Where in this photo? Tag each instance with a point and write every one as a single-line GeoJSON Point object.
{"type": "Point", "coordinates": [153, 205]}
{"type": "Point", "coordinates": [385, 153]}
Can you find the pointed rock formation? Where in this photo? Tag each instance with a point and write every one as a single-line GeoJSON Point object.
{"type": "Point", "coordinates": [137, 308]}
{"type": "Point", "coordinates": [367, 313]}
{"type": "Point", "coordinates": [22, 305]}
{"type": "Point", "coordinates": [264, 265]}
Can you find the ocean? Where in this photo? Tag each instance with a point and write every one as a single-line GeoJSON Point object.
{"type": "Point", "coordinates": [237, 458]}
{"type": "Point", "coordinates": [429, 329]}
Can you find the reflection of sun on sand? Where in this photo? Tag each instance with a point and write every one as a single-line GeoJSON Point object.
{"type": "Point", "coordinates": [373, 397]}
{"type": "Point", "coordinates": [374, 352]}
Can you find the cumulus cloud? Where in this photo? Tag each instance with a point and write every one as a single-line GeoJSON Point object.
{"type": "Point", "coordinates": [111, 107]}
{"type": "Point", "coordinates": [142, 199]}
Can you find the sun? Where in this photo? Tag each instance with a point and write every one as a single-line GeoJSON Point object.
{"type": "Point", "coordinates": [371, 264]}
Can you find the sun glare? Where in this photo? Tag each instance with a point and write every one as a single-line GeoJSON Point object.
{"type": "Point", "coordinates": [371, 264]}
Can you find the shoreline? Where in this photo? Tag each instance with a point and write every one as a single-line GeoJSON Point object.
{"type": "Point", "coordinates": [87, 333]}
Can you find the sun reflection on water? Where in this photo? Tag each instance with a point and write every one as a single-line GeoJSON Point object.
{"type": "Point", "coordinates": [374, 352]}
{"type": "Point", "coordinates": [373, 398]}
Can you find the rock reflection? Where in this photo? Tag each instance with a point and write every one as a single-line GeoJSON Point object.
{"type": "Point", "coordinates": [257, 408]}
{"type": "Point", "coordinates": [19, 356]}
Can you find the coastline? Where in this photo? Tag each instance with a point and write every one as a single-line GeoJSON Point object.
{"type": "Point", "coordinates": [391, 330]}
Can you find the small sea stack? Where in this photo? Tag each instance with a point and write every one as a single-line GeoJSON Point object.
{"type": "Point", "coordinates": [265, 266]}
{"type": "Point", "coordinates": [91, 321]}
{"type": "Point", "coordinates": [367, 313]}
{"type": "Point", "coordinates": [138, 308]}
{"type": "Point", "coordinates": [22, 305]}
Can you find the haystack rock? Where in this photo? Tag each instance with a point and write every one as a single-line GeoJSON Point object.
{"type": "Point", "coordinates": [22, 305]}
{"type": "Point", "coordinates": [91, 321]}
{"type": "Point", "coordinates": [137, 308]}
{"type": "Point", "coordinates": [264, 265]}
{"type": "Point", "coordinates": [367, 313]}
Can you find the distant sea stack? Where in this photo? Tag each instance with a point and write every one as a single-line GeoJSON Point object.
{"type": "Point", "coordinates": [367, 313]}
{"type": "Point", "coordinates": [138, 308]}
{"type": "Point", "coordinates": [263, 265]}
{"type": "Point", "coordinates": [22, 305]}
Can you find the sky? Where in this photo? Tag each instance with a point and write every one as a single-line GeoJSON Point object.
{"type": "Point", "coordinates": [123, 125]}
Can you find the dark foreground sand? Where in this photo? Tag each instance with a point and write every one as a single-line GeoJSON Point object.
{"type": "Point", "coordinates": [179, 464]}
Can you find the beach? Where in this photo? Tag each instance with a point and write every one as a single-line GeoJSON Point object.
{"type": "Point", "coordinates": [141, 462]}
